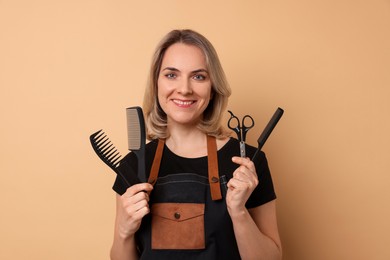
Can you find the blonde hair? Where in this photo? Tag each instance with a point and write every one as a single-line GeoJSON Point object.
{"type": "Point", "coordinates": [155, 117]}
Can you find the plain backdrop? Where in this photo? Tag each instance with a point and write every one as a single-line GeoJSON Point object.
{"type": "Point", "coordinates": [69, 68]}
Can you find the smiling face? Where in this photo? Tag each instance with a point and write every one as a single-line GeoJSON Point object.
{"type": "Point", "coordinates": [183, 85]}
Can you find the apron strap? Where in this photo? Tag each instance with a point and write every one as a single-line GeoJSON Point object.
{"type": "Point", "coordinates": [212, 160]}
{"type": "Point", "coordinates": [156, 162]}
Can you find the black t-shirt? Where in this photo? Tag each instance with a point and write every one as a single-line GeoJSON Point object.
{"type": "Point", "coordinates": [220, 241]}
{"type": "Point", "coordinates": [173, 163]}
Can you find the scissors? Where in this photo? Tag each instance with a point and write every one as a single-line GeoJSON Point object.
{"type": "Point", "coordinates": [241, 129]}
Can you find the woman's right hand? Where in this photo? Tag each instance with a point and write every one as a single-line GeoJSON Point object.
{"type": "Point", "coordinates": [132, 206]}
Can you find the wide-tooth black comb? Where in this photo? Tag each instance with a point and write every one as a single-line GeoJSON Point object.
{"type": "Point", "coordinates": [107, 152]}
{"type": "Point", "coordinates": [268, 130]}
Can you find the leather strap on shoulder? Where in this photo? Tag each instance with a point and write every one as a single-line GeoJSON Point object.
{"type": "Point", "coordinates": [212, 158]}
{"type": "Point", "coordinates": [156, 162]}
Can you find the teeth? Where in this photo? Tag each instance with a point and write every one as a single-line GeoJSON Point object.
{"type": "Point", "coordinates": [183, 103]}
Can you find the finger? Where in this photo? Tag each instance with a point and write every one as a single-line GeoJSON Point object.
{"type": "Point", "coordinates": [241, 185]}
{"type": "Point", "coordinates": [243, 173]}
{"type": "Point", "coordinates": [140, 196]}
{"type": "Point", "coordinates": [237, 185]}
{"type": "Point", "coordinates": [140, 205]}
{"type": "Point", "coordinates": [240, 175]}
{"type": "Point", "coordinates": [244, 162]}
{"type": "Point", "coordinates": [133, 208]}
{"type": "Point", "coordinates": [134, 189]}
{"type": "Point", "coordinates": [139, 214]}
{"type": "Point", "coordinates": [237, 182]}
{"type": "Point", "coordinates": [241, 160]}
{"type": "Point", "coordinates": [136, 198]}
{"type": "Point", "coordinates": [135, 216]}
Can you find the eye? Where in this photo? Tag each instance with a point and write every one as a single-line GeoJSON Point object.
{"type": "Point", "coordinates": [170, 75]}
{"type": "Point", "coordinates": [199, 77]}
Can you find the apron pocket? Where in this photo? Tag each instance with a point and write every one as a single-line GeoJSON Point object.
{"type": "Point", "coordinates": [178, 226]}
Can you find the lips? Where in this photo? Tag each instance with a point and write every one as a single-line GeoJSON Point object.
{"type": "Point", "coordinates": [183, 103]}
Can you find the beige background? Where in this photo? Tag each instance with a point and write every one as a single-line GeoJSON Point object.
{"type": "Point", "coordinates": [68, 68]}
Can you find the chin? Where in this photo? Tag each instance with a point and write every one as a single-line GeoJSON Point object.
{"type": "Point", "coordinates": [184, 120]}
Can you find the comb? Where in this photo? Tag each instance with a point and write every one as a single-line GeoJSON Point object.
{"type": "Point", "coordinates": [268, 130]}
{"type": "Point", "coordinates": [137, 137]}
{"type": "Point", "coordinates": [107, 152]}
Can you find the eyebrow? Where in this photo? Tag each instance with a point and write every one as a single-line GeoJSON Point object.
{"type": "Point", "coordinates": [195, 71]}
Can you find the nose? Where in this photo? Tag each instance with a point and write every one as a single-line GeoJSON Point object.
{"type": "Point", "coordinates": [185, 87]}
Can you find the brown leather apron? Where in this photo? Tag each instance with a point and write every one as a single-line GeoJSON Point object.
{"type": "Point", "coordinates": [180, 225]}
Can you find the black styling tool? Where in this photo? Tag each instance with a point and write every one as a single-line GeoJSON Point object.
{"type": "Point", "coordinates": [137, 137]}
{"type": "Point", "coordinates": [107, 152]}
{"type": "Point", "coordinates": [268, 130]}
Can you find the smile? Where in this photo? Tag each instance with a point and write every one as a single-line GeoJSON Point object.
{"type": "Point", "coordinates": [183, 103]}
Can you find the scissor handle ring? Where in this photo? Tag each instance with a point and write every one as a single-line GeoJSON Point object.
{"type": "Point", "coordinates": [236, 126]}
{"type": "Point", "coordinates": [252, 122]}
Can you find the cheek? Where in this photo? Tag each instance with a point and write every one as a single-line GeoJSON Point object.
{"type": "Point", "coordinates": [209, 93]}
{"type": "Point", "coordinates": [210, 96]}
{"type": "Point", "coordinates": [160, 97]}
{"type": "Point", "coordinates": [160, 90]}
{"type": "Point", "coordinates": [164, 88]}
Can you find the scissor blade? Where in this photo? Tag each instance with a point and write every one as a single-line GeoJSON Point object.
{"type": "Point", "coordinates": [242, 149]}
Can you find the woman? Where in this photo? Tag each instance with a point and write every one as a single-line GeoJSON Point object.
{"type": "Point", "coordinates": [183, 213]}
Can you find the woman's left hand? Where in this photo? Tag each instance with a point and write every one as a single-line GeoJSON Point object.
{"type": "Point", "coordinates": [241, 186]}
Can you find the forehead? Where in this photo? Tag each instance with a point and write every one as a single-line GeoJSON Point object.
{"type": "Point", "coordinates": [184, 56]}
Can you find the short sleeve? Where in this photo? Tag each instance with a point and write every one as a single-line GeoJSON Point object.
{"type": "Point", "coordinates": [264, 192]}
{"type": "Point", "coordinates": [129, 165]}
{"type": "Point", "coordinates": [128, 168]}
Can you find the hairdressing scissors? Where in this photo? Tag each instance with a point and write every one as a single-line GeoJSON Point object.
{"type": "Point", "coordinates": [241, 129]}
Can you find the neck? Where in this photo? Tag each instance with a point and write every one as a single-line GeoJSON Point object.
{"type": "Point", "coordinates": [187, 142]}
